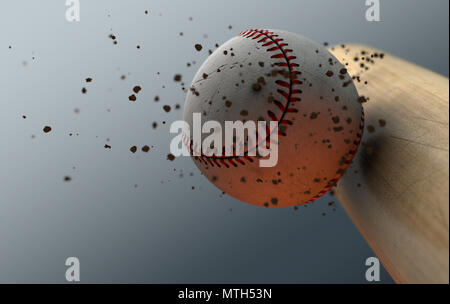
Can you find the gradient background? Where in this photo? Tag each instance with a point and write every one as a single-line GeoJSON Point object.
{"type": "Point", "coordinates": [163, 231]}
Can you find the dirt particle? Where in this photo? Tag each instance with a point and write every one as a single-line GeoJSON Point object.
{"type": "Point", "coordinates": [166, 108]}
{"type": "Point", "coordinates": [371, 129]}
{"type": "Point", "coordinates": [107, 146]}
{"type": "Point", "coordinates": [382, 122]}
{"type": "Point", "coordinates": [47, 129]}
{"type": "Point", "coordinates": [67, 179]}
{"type": "Point", "coordinates": [256, 87]}
{"type": "Point", "coordinates": [137, 89]}
{"type": "Point", "coordinates": [329, 73]}
{"type": "Point", "coordinates": [145, 149]}
{"type": "Point", "coordinates": [346, 84]}
{"type": "Point", "coordinates": [314, 115]}
{"type": "Point", "coordinates": [198, 47]}
{"type": "Point", "coordinates": [244, 113]}
{"type": "Point", "coordinates": [89, 79]}
{"type": "Point", "coordinates": [170, 157]}
{"type": "Point", "coordinates": [335, 119]}
{"type": "Point", "coordinates": [133, 149]}
{"type": "Point", "coordinates": [362, 99]}
{"type": "Point", "coordinates": [132, 97]}
{"type": "Point", "coordinates": [177, 78]}
{"type": "Point", "coordinates": [83, 90]}
{"type": "Point", "coordinates": [274, 201]}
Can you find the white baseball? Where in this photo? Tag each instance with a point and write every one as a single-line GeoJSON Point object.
{"type": "Point", "coordinates": [277, 75]}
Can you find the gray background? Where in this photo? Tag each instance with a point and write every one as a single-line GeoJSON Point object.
{"type": "Point", "coordinates": [162, 231]}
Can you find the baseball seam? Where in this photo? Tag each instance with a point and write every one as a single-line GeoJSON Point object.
{"type": "Point", "coordinates": [272, 42]}
{"type": "Point", "coordinates": [347, 162]}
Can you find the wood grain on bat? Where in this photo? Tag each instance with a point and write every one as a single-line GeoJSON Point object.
{"type": "Point", "coordinates": [397, 189]}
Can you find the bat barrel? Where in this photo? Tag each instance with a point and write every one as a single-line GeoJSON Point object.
{"type": "Point", "coordinates": [397, 189]}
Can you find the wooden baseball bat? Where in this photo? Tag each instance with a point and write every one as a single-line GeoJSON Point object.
{"type": "Point", "coordinates": [397, 189]}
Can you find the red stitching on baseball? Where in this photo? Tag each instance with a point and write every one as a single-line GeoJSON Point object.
{"type": "Point", "coordinates": [279, 46]}
{"type": "Point", "coordinates": [347, 163]}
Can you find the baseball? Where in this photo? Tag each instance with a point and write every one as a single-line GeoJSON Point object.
{"type": "Point", "coordinates": [281, 77]}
